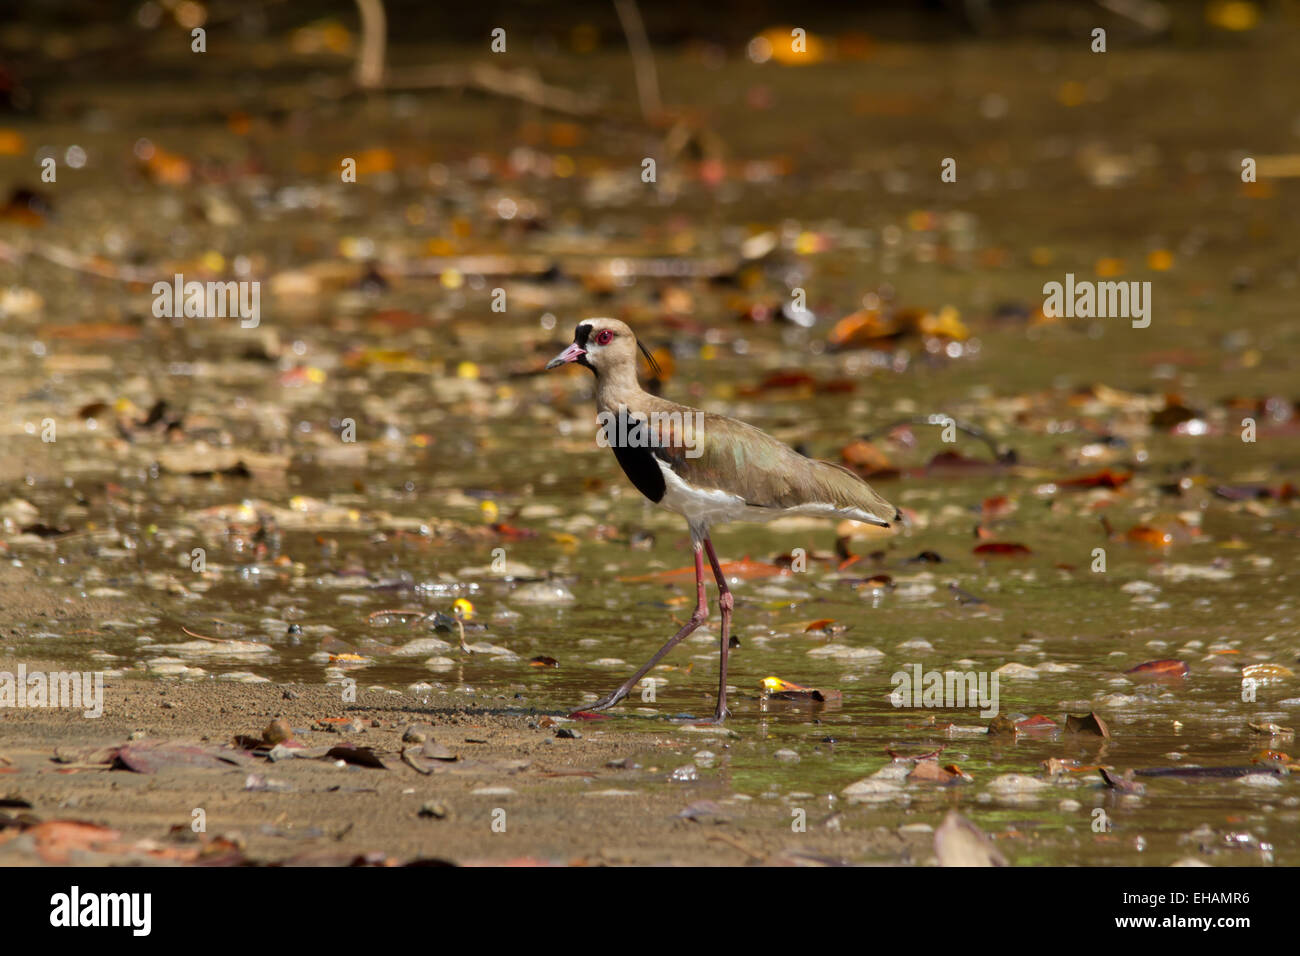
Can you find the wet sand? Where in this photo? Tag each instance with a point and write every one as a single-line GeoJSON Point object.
{"type": "Point", "coordinates": [596, 800]}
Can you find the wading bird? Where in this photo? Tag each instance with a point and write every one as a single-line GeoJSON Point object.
{"type": "Point", "coordinates": [707, 468]}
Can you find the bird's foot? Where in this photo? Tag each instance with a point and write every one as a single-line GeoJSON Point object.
{"type": "Point", "coordinates": [603, 704]}
{"type": "Point", "coordinates": [718, 717]}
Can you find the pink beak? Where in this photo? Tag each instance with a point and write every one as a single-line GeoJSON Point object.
{"type": "Point", "coordinates": [571, 354]}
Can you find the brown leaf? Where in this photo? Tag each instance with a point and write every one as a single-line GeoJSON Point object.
{"type": "Point", "coordinates": [1002, 548]}
{"type": "Point", "coordinates": [436, 751]}
{"type": "Point", "coordinates": [1173, 414]}
{"type": "Point", "coordinates": [358, 756]}
{"type": "Point", "coordinates": [1124, 784]}
{"type": "Point", "coordinates": [997, 506]}
{"type": "Point", "coordinates": [1098, 479]}
{"type": "Point", "coordinates": [148, 756]}
{"type": "Point", "coordinates": [955, 463]}
{"type": "Point", "coordinates": [1089, 723]}
{"type": "Point", "coordinates": [929, 771]}
{"type": "Point", "coordinates": [1272, 730]}
{"type": "Point", "coordinates": [1001, 726]}
{"type": "Point", "coordinates": [958, 842]}
{"type": "Point", "coordinates": [865, 457]}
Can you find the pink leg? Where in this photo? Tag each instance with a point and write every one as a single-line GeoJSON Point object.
{"type": "Point", "coordinates": [725, 601]}
{"type": "Point", "coordinates": [697, 618]}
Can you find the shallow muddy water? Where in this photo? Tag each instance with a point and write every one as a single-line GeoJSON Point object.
{"type": "Point", "coordinates": [475, 476]}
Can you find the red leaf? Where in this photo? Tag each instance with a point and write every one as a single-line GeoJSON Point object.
{"type": "Point", "coordinates": [1004, 548]}
{"type": "Point", "coordinates": [1098, 479]}
{"type": "Point", "coordinates": [587, 715]}
{"type": "Point", "coordinates": [1037, 724]}
{"type": "Point", "coordinates": [513, 533]}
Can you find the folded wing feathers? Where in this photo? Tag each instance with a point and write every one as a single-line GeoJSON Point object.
{"type": "Point", "coordinates": [767, 473]}
{"type": "Point", "coordinates": [847, 490]}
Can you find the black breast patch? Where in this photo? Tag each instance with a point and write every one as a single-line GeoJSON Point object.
{"type": "Point", "coordinates": [637, 460]}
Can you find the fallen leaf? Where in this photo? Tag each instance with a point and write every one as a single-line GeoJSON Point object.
{"type": "Point", "coordinates": [865, 458]}
{"type": "Point", "coordinates": [1166, 668]}
{"type": "Point", "coordinates": [705, 811]}
{"type": "Point", "coordinates": [57, 840]}
{"type": "Point", "coordinates": [1272, 730]}
{"type": "Point", "coordinates": [958, 842]}
{"type": "Point", "coordinates": [436, 751]}
{"type": "Point", "coordinates": [1001, 726]}
{"type": "Point", "coordinates": [998, 506]}
{"type": "Point", "coordinates": [152, 756]}
{"type": "Point", "coordinates": [824, 625]}
{"type": "Point", "coordinates": [1089, 723]}
{"type": "Point", "coordinates": [1037, 724]}
{"type": "Point", "coordinates": [1124, 784]}
{"type": "Point", "coordinates": [929, 771]}
{"type": "Point", "coordinates": [1194, 772]}
{"type": "Point", "coordinates": [1106, 478]}
{"type": "Point", "coordinates": [358, 756]}
{"type": "Point", "coordinates": [778, 689]}
{"type": "Point", "coordinates": [1002, 548]}
{"type": "Point", "coordinates": [1265, 672]}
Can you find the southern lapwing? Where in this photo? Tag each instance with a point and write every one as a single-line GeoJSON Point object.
{"type": "Point", "coordinates": [708, 468]}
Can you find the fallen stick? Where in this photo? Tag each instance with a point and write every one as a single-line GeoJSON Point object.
{"type": "Point", "coordinates": [374, 43]}
{"type": "Point", "coordinates": [75, 261]}
{"type": "Point", "coordinates": [521, 85]}
{"type": "Point", "coordinates": [643, 61]}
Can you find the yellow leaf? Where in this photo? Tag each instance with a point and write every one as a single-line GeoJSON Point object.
{"type": "Point", "coordinates": [1234, 15]}
{"type": "Point", "coordinates": [1261, 672]}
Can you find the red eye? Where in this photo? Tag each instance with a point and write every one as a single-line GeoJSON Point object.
{"type": "Point", "coordinates": [604, 337]}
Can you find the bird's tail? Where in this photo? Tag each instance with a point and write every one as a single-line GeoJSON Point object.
{"type": "Point", "coordinates": [851, 494]}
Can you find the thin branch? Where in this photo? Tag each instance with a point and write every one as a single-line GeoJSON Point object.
{"type": "Point", "coordinates": [75, 261]}
{"type": "Point", "coordinates": [643, 61]}
{"type": "Point", "coordinates": [374, 43]}
{"type": "Point", "coordinates": [516, 84]}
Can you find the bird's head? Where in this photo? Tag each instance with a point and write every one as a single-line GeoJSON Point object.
{"type": "Point", "coordinates": [606, 346]}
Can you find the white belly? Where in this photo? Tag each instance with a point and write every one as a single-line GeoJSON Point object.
{"type": "Point", "coordinates": [703, 508]}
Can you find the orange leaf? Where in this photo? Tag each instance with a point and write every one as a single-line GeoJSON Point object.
{"type": "Point", "coordinates": [1166, 667]}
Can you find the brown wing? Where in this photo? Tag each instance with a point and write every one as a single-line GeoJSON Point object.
{"type": "Point", "coordinates": [731, 456]}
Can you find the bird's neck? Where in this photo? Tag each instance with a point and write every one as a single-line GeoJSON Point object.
{"type": "Point", "coordinates": [619, 387]}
